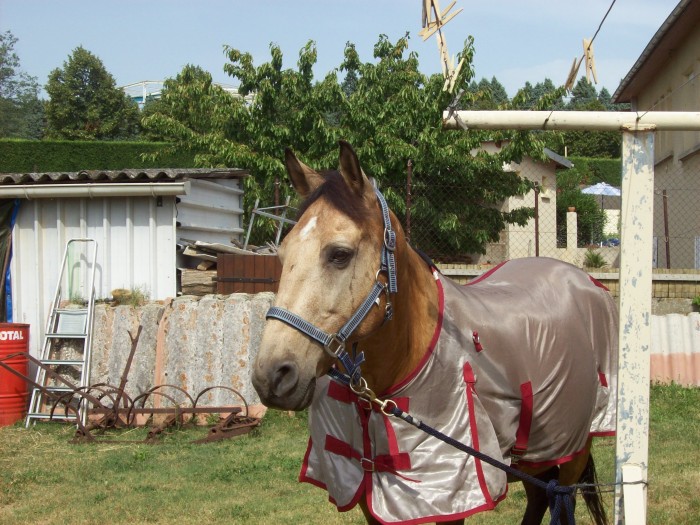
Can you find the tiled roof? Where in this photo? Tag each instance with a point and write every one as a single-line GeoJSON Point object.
{"type": "Point", "coordinates": [121, 176]}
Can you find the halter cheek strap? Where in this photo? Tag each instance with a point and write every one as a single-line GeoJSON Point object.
{"type": "Point", "coordinates": [334, 344]}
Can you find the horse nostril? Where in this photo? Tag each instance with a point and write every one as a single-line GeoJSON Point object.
{"type": "Point", "coordinates": [285, 379]}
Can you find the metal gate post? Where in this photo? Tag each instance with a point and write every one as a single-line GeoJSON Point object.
{"type": "Point", "coordinates": [635, 320]}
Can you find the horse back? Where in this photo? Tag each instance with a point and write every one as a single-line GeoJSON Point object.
{"type": "Point", "coordinates": [542, 338]}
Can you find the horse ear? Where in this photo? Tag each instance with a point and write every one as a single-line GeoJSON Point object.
{"type": "Point", "coordinates": [352, 172]}
{"type": "Point", "coordinates": [304, 179]}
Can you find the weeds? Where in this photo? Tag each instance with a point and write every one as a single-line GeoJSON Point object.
{"type": "Point", "coordinates": [593, 259]}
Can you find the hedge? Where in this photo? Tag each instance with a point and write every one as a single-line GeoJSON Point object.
{"type": "Point", "coordinates": [39, 156]}
{"type": "Point", "coordinates": [592, 170]}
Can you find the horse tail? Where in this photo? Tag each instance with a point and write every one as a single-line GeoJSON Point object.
{"type": "Point", "coordinates": [592, 496]}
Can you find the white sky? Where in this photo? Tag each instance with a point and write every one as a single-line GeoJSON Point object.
{"type": "Point", "coordinates": [515, 40]}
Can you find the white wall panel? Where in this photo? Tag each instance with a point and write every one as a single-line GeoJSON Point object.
{"type": "Point", "coordinates": [211, 211]}
{"type": "Point", "coordinates": [136, 249]}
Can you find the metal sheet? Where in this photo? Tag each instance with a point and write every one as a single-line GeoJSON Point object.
{"type": "Point", "coordinates": [675, 349]}
{"type": "Point", "coordinates": [136, 249]}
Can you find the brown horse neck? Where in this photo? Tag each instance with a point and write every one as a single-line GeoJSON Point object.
{"type": "Point", "coordinates": [396, 349]}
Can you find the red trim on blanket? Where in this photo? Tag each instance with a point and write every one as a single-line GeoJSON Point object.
{"type": "Point", "coordinates": [303, 475]}
{"type": "Point", "coordinates": [489, 503]}
{"type": "Point", "coordinates": [439, 518]}
{"type": "Point", "coordinates": [341, 393]}
{"type": "Point", "coordinates": [552, 462]}
{"type": "Point", "coordinates": [485, 275]}
{"type": "Point", "coordinates": [470, 381]}
{"type": "Point", "coordinates": [391, 463]}
{"type": "Point", "coordinates": [431, 347]}
{"type": "Point", "coordinates": [603, 380]}
{"type": "Point", "coordinates": [603, 433]}
{"type": "Point", "coordinates": [598, 283]}
{"type": "Point", "coordinates": [522, 435]}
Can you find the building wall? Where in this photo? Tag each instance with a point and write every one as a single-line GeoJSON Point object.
{"type": "Point", "coordinates": [676, 87]}
{"type": "Point", "coordinates": [135, 249]}
{"type": "Point", "coordinates": [519, 241]}
{"type": "Point", "coordinates": [681, 181]}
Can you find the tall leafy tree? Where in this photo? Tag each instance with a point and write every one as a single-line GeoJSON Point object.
{"type": "Point", "coordinates": [85, 102]}
{"type": "Point", "coordinates": [21, 110]}
{"type": "Point", "coordinates": [389, 111]}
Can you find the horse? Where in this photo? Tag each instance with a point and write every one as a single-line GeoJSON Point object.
{"type": "Point", "coordinates": [520, 363]}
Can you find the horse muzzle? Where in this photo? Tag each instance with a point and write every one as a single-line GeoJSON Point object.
{"type": "Point", "coordinates": [282, 386]}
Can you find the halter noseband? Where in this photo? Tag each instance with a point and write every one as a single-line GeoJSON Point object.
{"type": "Point", "coordinates": [334, 344]}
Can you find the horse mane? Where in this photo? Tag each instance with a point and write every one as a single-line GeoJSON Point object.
{"type": "Point", "coordinates": [339, 195]}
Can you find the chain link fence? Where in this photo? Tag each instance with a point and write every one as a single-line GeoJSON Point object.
{"type": "Point", "coordinates": [582, 229]}
{"type": "Point", "coordinates": [677, 214]}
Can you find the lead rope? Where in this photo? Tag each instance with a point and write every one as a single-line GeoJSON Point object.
{"type": "Point", "coordinates": [560, 497]}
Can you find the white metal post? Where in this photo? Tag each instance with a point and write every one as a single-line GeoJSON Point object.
{"type": "Point", "coordinates": [635, 319]}
{"type": "Point", "coordinates": [635, 269]}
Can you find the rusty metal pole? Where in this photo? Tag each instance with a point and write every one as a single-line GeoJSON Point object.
{"type": "Point", "coordinates": [277, 195]}
{"type": "Point", "coordinates": [409, 182]}
{"type": "Point", "coordinates": [666, 236]}
{"type": "Point", "coordinates": [537, 220]}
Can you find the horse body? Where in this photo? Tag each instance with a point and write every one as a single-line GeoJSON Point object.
{"type": "Point", "coordinates": [542, 339]}
{"type": "Point", "coordinates": [519, 364]}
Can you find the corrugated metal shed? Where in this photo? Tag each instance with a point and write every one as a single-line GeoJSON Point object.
{"type": "Point", "coordinates": [137, 218]}
{"type": "Point", "coordinates": [675, 349]}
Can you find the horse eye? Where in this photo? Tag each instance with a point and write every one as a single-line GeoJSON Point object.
{"type": "Point", "coordinates": [340, 256]}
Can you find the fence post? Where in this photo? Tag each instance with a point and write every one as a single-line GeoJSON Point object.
{"type": "Point", "coordinates": [666, 237]}
{"type": "Point", "coordinates": [635, 319]}
{"type": "Point", "coordinates": [409, 183]}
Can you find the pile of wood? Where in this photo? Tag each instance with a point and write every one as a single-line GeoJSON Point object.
{"type": "Point", "coordinates": [202, 279]}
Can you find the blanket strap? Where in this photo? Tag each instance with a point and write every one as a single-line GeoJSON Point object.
{"type": "Point", "coordinates": [522, 435]}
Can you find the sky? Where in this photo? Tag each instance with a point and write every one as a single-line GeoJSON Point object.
{"type": "Point", "coordinates": [515, 40]}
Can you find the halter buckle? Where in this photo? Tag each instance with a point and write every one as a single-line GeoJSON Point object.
{"type": "Point", "coordinates": [334, 345]}
{"type": "Point", "coordinates": [389, 239]}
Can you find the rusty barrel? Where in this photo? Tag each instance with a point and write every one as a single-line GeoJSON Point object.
{"type": "Point", "coordinates": [14, 337]}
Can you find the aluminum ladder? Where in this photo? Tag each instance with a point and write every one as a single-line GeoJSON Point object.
{"type": "Point", "coordinates": [68, 337]}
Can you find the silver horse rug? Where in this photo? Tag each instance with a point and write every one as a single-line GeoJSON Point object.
{"type": "Point", "coordinates": [522, 366]}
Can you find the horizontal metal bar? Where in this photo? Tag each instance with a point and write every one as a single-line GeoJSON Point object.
{"type": "Point", "coordinates": [263, 280]}
{"type": "Point", "coordinates": [59, 362]}
{"type": "Point", "coordinates": [570, 120]}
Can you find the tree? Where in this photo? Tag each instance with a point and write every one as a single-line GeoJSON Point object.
{"type": "Point", "coordinates": [590, 217]}
{"type": "Point", "coordinates": [486, 95]}
{"type": "Point", "coordinates": [603, 144]}
{"type": "Point", "coordinates": [391, 114]}
{"type": "Point", "coordinates": [21, 110]}
{"type": "Point", "coordinates": [583, 94]}
{"type": "Point", "coordinates": [85, 103]}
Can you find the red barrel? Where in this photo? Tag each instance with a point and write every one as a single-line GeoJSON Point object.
{"type": "Point", "coordinates": [14, 337]}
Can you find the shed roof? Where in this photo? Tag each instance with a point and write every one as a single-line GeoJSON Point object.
{"type": "Point", "coordinates": [682, 20]}
{"type": "Point", "coordinates": [122, 176]}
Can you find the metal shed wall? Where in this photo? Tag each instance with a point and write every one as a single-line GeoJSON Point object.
{"type": "Point", "coordinates": [136, 249]}
{"type": "Point", "coordinates": [211, 211]}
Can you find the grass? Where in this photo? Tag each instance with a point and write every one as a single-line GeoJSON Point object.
{"type": "Point", "coordinates": [252, 479]}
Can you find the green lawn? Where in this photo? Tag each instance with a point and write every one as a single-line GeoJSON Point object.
{"type": "Point", "coordinates": [46, 480]}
